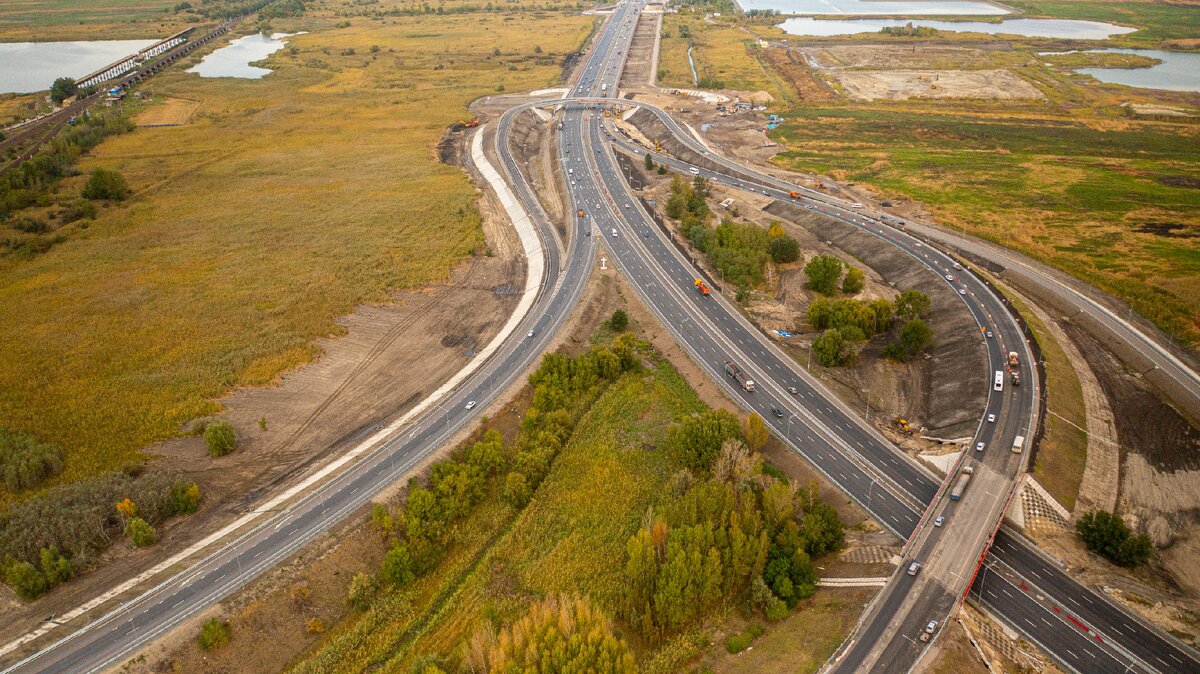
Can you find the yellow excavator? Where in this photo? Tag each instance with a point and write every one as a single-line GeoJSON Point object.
{"type": "Point", "coordinates": [902, 424]}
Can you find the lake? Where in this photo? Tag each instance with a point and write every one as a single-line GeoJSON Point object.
{"type": "Point", "coordinates": [1064, 28]}
{"type": "Point", "coordinates": [1179, 71]}
{"type": "Point", "coordinates": [234, 60]}
{"type": "Point", "coordinates": [879, 7]}
{"type": "Point", "coordinates": [33, 66]}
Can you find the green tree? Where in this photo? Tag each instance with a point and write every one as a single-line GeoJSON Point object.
{"type": "Point", "coordinates": [649, 162]}
{"type": "Point", "coordinates": [25, 580]}
{"type": "Point", "coordinates": [140, 533]}
{"type": "Point", "coordinates": [1107, 534]}
{"type": "Point", "coordinates": [912, 304]}
{"type": "Point", "coordinates": [62, 89]}
{"type": "Point", "coordinates": [915, 336]}
{"type": "Point", "coordinates": [822, 272]}
{"type": "Point", "coordinates": [853, 282]}
{"type": "Point", "coordinates": [213, 634]}
{"type": "Point", "coordinates": [619, 320]}
{"type": "Point", "coordinates": [784, 249]}
{"type": "Point", "coordinates": [755, 432]}
{"type": "Point", "coordinates": [832, 349]}
{"type": "Point", "coordinates": [25, 462]}
{"type": "Point", "coordinates": [106, 184]}
{"type": "Point", "coordinates": [696, 441]}
{"type": "Point", "coordinates": [397, 566]}
{"type": "Point", "coordinates": [220, 438]}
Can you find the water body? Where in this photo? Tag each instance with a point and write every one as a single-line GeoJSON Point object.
{"type": "Point", "coordinates": [1064, 28]}
{"type": "Point", "coordinates": [1179, 71]}
{"type": "Point", "coordinates": [33, 66]}
{"type": "Point", "coordinates": [234, 60]}
{"type": "Point", "coordinates": [880, 7]}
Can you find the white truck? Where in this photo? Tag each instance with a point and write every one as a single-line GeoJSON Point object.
{"type": "Point", "coordinates": [739, 375]}
{"type": "Point", "coordinates": [1018, 444]}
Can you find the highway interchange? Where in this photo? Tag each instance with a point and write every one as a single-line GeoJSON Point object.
{"type": "Point", "coordinates": [1023, 587]}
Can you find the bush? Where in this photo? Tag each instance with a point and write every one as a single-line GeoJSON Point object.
{"type": "Point", "coordinates": [619, 320]}
{"type": "Point", "coordinates": [220, 438]}
{"type": "Point", "coordinates": [832, 349]}
{"type": "Point", "coordinates": [314, 626]}
{"type": "Point", "coordinates": [213, 634]}
{"type": "Point", "coordinates": [361, 592]}
{"type": "Point", "coordinates": [106, 184]}
{"type": "Point", "coordinates": [784, 249]}
{"type": "Point", "coordinates": [516, 490]}
{"type": "Point", "coordinates": [823, 272]}
{"type": "Point", "coordinates": [853, 282]}
{"type": "Point", "coordinates": [25, 462]}
{"type": "Point", "coordinates": [1108, 535]}
{"type": "Point", "coordinates": [562, 635]}
{"type": "Point", "coordinates": [140, 533]}
{"type": "Point", "coordinates": [62, 89]}
{"type": "Point", "coordinates": [696, 441]}
{"type": "Point", "coordinates": [25, 580]}
{"type": "Point", "coordinates": [911, 304]}
{"type": "Point", "coordinates": [738, 642]}
{"type": "Point", "coordinates": [398, 566]}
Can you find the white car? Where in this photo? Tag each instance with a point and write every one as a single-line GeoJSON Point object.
{"type": "Point", "coordinates": [949, 277]}
{"type": "Point", "coordinates": [939, 521]}
{"type": "Point", "coordinates": [531, 332]}
{"type": "Point", "coordinates": [991, 418]}
{"type": "Point", "coordinates": [614, 233]}
{"type": "Point", "coordinates": [979, 446]}
{"type": "Point", "coordinates": [989, 334]}
{"type": "Point", "coordinates": [962, 291]}
{"type": "Point", "coordinates": [471, 405]}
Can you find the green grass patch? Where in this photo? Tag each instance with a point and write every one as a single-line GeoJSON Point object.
{"type": "Point", "coordinates": [1158, 21]}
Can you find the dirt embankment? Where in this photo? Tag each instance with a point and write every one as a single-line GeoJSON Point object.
{"type": "Point", "coordinates": [386, 359]}
{"type": "Point", "coordinates": [639, 63]}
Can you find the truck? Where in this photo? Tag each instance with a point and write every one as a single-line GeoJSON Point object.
{"type": "Point", "coordinates": [701, 286]}
{"type": "Point", "coordinates": [794, 195]}
{"type": "Point", "coordinates": [1013, 359]}
{"type": "Point", "coordinates": [1018, 444]}
{"type": "Point", "coordinates": [743, 380]}
{"type": "Point", "coordinates": [1015, 377]}
{"type": "Point", "coordinates": [604, 88]}
{"type": "Point", "coordinates": [963, 479]}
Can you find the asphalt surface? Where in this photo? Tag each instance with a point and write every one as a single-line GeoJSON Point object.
{"type": "Point", "coordinates": [846, 451]}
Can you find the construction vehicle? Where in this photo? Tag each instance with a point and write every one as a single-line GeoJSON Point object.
{"type": "Point", "coordinates": [743, 380]}
{"type": "Point", "coordinates": [657, 146]}
{"type": "Point", "coordinates": [902, 424]}
{"type": "Point", "coordinates": [794, 195]}
{"type": "Point", "coordinates": [470, 124]}
{"type": "Point", "coordinates": [1013, 360]}
{"type": "Point", "coordinates": [701, 286]}
{"type": "Point", "coordinates": [580, 213]}
{"type": "Point", "coordinates": [963, 479]}
{"type": "Point", "coordinates": [1015, 377]}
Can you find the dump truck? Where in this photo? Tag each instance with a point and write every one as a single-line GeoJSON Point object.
{"type": "Point", "coordinates": [963, 479]}
{"type": "Point", "coordinates": [794, 195]}
{"type": "Point", "coordinates": [1014, 377]}
{"type": "Point", "coordinates": [580, 213]}
{"type": "Point", "coordinates": [701, 286]}
{"type": "Point", "coordinates": [743, 380]}
{"type": "Point", "coordinates": [1013, 359]}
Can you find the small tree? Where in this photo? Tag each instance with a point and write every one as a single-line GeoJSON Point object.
{"type": "Point", "coordinates": [516, 490]}
{"type": "Point", "coordinates": [755, 432]}
{"type": "Point", "coordinates": [127, 508]}
{"type": "Point", "coordinates": [911, 304]}
{"type": "Point", "coordinates": [140, 533]}
{"type": "Point", "coordinates": [619, 320]}
{"type": "Point", "coordinates": [361, 592]}
{"type": "Point", "coordinates": [853, 282]}
{"type": "Point", "coordinates": [649, 162]}
{"type": "Point", "coordinates": [220, 438]}
{"type": "Point", "coordinates": [1108, 535]}
{"type": "Point", "coordinates": [823, 272]}
{"type": "Point", "coordinates": [214, 633]}
{"type": "Point", "coordinates": [915, 337]}
{"type": "Point", "coordinates": [832, 349]}
{"type": "Point", "coordinates": [106, 184]}
{"type": "Point", "coordinates": [62, 89]}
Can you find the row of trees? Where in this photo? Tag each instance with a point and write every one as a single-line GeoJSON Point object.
{"type": "Point", "coordinates": [25, 462]}
{"type": "Point", "coordinates": [729, 533]}
{"type": "Point", "coordinates": [421, 531]}
{"type": "Point", "coordinates": [847, 322]}
{"type": "Point", "coordinates": [47, 539]}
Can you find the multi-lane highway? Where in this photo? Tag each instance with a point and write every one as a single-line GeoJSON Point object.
{"type": "Point", "coordinates": [901, 494]}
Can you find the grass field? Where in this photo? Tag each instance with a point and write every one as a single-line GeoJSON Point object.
{"type": "Point", "coordinates": [40, 20]}
{"type": "Point", "coordinates": [1114, 203]}
{"type": "Point", "coordinates": [570, 539]}
{"type": "Point", "coordinates": [282, 204]}
{"type": "Point", "coordinates": [724, 52]}
{"type": "Point", "coordinates": [1158, 21]}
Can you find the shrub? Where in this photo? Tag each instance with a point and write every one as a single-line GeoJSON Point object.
{"type": "Point", "coordinates": [619, 320]}
{"type": "Point", "coordinates": [696, 441]}
{"type": "Point", "coordinates": [562, 635]}
{"type": "Point", "coordinates": [832, 349]}
{"type": "Point", "coordinates": [140, 533]}
{"type": "Point", "coordinates": [911, 304]}
{"type": "Point", "coordinates": [220, 438]}
{"type": "Point", "coordinates": [914, 338]}
{"type": "Point", "coordinates": [1108, 535]}
{"type": "Point", "coordinates": [738, 642]}
{"type": "Point", "coordinates": [853, 282]}
{"type": "Point", "coordinates": [398, 566]}
{"type": "Point", "coordinates": [314, 626]}
{"type": "Point", "coordinates": [213, 634]}
{"type": "Point", "coordinates": [25, 462]}
{"type": "Point", "coordinates": [106, 184]}
{"type": "Point", "coordinates": [25, 580]}
{"type": "Point", "coordinates": [516, 490]}
{"type": "Point", "coordinates": [361, 592]}
{"type": "Point", "coordinates": [62, 89]}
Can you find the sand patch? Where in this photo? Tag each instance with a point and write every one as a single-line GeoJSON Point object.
{"type": "Point", "coordinates": [898, 85]}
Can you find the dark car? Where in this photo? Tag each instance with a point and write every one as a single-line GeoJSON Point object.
{"type": "Point", "coordinates": [777, 412]}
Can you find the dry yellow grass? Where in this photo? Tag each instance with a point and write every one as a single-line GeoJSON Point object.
{"type": "Point", "coordinates": [722, 51]}
{"type": "Point", "coordinates": [168, 112]}
{"type": "Point", "coordinates": [284, 203]}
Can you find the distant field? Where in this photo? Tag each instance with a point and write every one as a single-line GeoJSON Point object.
{"type": "Point", "coordinates": [282, 204]}
{"type": "Point", "coordinates": [1117, 205]}
{"type": "Point", "coordinates": [36, 20]}
{"type": "Point", "coordinates": [722, 52]}
{"type": "Point", "coordinates": [1158, 20]}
